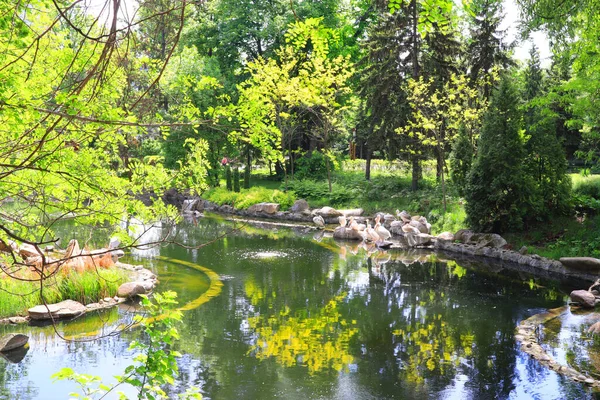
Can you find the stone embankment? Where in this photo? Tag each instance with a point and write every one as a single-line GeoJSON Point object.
{"type": "Point", "coordinates": [413, 232]}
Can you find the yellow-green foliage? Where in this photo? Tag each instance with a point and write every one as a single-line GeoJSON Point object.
{"type": "Point", "coordinates": [586, 185]}
{"type": "Point", "coordinates": [17, 296]}
{"type": "Point", "coordinates": [248, 197]}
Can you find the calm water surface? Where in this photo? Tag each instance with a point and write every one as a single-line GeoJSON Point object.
{"type": "Point", "coordinates": [301, 317]}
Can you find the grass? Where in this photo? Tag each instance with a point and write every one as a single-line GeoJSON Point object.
{"type": "Point", "coordinates": [247, 197]}
{"type": "Point", "coordinates": [17, 296]}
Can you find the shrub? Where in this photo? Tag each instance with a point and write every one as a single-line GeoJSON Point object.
{"type": "Point", "coordinates": [312, 165]}
{"type": "Point", "coordinates": [588, 186]}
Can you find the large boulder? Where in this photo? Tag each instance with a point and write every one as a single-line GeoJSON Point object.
{"type": "Point", "coordinates": [487, 240]}
{"type": "Point", "coordinates": [327, 212]}
{"type": "Point", "coordinates": [419, 225]}
{"type": "Point", "coordinates": [448, 236]}
{"type": "Point", "coordinates": [418, 239]}
{"type": "Point", "coordinates": [28, 251]}
{"type": "Point", "coordinates": [299, 206]}
{"type": "Point", "coordinates": [64, 309]}
{"type": "Point", "coordinates": [463, 235]}
{"type": "Point", "coordinates": [353, 212]}
{"type": "Point", "coordinates": [132, 289]}
{"type": "Point", "coordinates": [581, 263]}
{"type": "Point", "coordinates": [346, 234]}
{"type": "Point", "coordinates": [583, 297]}
{"type": "Point", "coordinates": [12, 341]}
{"type": "Point", "coordinates": [265, 208]}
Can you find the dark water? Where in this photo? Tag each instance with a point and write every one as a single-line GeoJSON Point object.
{"type": "Point", "coordinates": [303, 318]}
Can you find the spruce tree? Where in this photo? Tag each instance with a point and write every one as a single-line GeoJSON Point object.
{"type": "Point", "coordinates": [497, 188]}
{"type": "Point", "coordinates": [236, 180]}
{"type": "Point", "coordinates": [461, 160]}
{"type": "Point", "coordinates": [228, 178]}
{"type": "Point", "coordinates": [487, 47]}
{"type": "Point", "coordinates": [546, 161]}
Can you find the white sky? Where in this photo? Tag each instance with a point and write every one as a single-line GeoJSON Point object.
{"type": "Point", "coordinates": [540, 39]}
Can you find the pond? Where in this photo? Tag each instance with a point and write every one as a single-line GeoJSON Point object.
{"type": "Point", "coordinates": [300, 316]}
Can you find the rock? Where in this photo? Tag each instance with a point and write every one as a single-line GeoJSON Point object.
{"type": "Point", "coordinates": [463, 235]}
{"type": "Point", "coordinates": [583, 297]}
{"type": "Point", "coordinates": [266, 208]}
{"type": "Point", "coordinates": [594, 328]}
{"type": "Point", "coordinates": [299, 206]}
{"type": "Point", "coordinates": [353, 212]}
{"type": "Point", "coordinates": [327, 212]}
{"type": "Point", "coordinates": [581, 263]}
{"type": "Point", "coordinates": [487, 240]}
{"type": "Point", "coordinates": [15, 356]}
{"type": "Point", "coordinates": [523, 250]}
{"type": "Point", "coordinates": [346, 234]}
{"type": "Point", "coordinates": [12, 341]}
{"type": "Point", "coordinates": [132, 289]}
{"type": "Point", "coordinates": [396, 224]}
{"type": "Point", "coordinates": [64, 309]}
{"type": "Point", "coordinates": [226, 209]}
{"type": "Point", "coordinates": [418, 239]}
{"type": "Point", "coordinates": [448, 236]}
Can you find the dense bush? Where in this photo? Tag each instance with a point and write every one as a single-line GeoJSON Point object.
{"type": "Point", "coordinates": [228, 178]}
{"type": "Point", "coordinates": [236, 180]}
{"type": "Point", "coordinates": [461, 160]}
{"type": "Point", "coordinates": [312, 165]}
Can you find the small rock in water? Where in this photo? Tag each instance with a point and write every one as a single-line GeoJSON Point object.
{"type": "Point", "coordinates": [12, 341]}
{"type": "Point", "coordinates": [523, 250]}
{"type": "Point", "coordinates": [583, 297]}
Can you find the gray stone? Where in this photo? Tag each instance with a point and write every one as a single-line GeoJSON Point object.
{"type": "Point", "coordinates": [523, 250]}
{"type": "Point", "coordinates": [463, 235]}
{"type": "Point", "coordinates": [226, 208]}
{"type": "Point", "coordinates": [299, 206]}
{"type": "Point", "coordinates": [266, 208]}
{"type": "Point", "coordinates": [410, 229]}
{"type": "Point", "coordinates": [131, 289]}
{"type": "Point", "coordinates": [327, 212]}
{"type": "Point", "coordinates": [487, 240]}
{"type": "Point", "coordinates": [12, 341]}
{"type": "Point", "coordinates": [583, 297]}
{"type": "Point", "coordinates": [353, 212]}
{"type": "Point", "coordinates": [418, 239]}
{"type": "Point", "coordinates": [581, 263]}
{"type": "Point", "coordinates": [28, 251]}
{"type": "Point", "coordinates": [346, 234]}
{"type": "Point", "coordinates": [447, 236]}
{"type": "Point", "coordinates": [189, 205]}
{"type": "Point", "coordinates": [64, 309]}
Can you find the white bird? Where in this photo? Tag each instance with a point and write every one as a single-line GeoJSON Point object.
{"type": "Point", "coordinates": [383, 233]}
{"type": "Point", "coordinates": [371, 234]}
{"type": "Point", "coordinates": [352, 224]}
{"type": "Point", "coordinates": [319, 221]}
{"type": "Point", "coordinates": [342, 221]}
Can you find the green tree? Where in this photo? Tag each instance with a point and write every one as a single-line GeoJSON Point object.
{"type": "Point", "coordinates": [461, 159]}
{"type": "Point", "coordinates": [487, 48]}
{"type": "Point", "coordinates": [545, 161]}
{"type": "Point", "coordinates": [498, 189]}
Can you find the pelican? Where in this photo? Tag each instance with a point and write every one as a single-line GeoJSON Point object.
{"type": "Point", "coordinates": [371, 233]}
{"type": "Point", "coordinates": [355, 225]}
{"type": "Point", "coordinates": [383, 233]}
{"type": "Point", "coordinates": [319, 221]}
{"type": "Point", "coordinates": [342, 221]}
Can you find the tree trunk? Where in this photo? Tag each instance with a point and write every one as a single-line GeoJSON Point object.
{"type": "Point", "coordinates": [416, 173]}
{"type": "Point", "coordinates": [368, 165]}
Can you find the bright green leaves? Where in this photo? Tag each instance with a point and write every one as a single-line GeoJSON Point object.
{"type": "Point", "coordinates": [433, 15]}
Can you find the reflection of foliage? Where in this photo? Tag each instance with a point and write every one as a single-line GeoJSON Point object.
{"type": "Point", "coordinates": [431, 346]}
{"type": "Point", "coordinates": [319, 341]}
